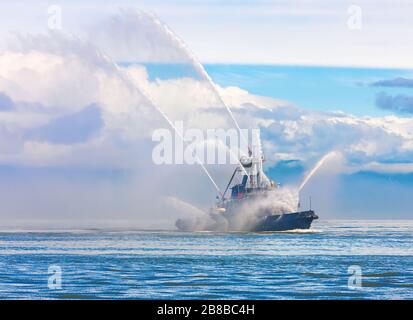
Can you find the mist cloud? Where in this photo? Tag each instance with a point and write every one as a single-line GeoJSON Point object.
{"type": "Point", "coordinates": [394, 83]}
{"type": "Point", "coordinates": [6, 104]}
{"type": "Point", "coordinates": [69, 129]}
{"type": "Point", "coordinates": [398, 103]}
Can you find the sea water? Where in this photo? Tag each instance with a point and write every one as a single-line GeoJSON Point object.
{"type": "Point", "coordinates": [122, 264]}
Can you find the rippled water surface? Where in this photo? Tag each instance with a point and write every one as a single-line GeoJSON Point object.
{"type": "Point", "coordinates": [172, 265]}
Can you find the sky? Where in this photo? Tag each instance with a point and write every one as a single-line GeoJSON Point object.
{"type": "Point", "coordinates": [78, 105]}
{"type": "Point", "coordinates": [314, 87]}
{"type": "Point", "coordinates": [254, 32]}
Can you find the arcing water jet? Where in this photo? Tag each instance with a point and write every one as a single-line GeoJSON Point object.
{"type": "Point", "coordinates": [198, 67]}
{"type": "Point", "coordinates": [318, 165]}
{"type": "Point", "coordinates": [149, 100]}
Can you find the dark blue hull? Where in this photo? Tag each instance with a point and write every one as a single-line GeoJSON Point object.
{"type": "Point", "coordinates": [287, 221]}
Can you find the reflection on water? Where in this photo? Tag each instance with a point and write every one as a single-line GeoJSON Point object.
{"type": "Point", "coordinates": [172, 265]}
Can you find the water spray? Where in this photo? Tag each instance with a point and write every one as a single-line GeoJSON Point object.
{"type": "Point", "coordinates": [184, 142]}
{"type": "Point", "coordinates": [318, 165]}
{"type": "Point", "coordinates": [230, 152]}
{"type": "Point", "coordinates": [198, 66]}
{"type": "Point", "coordinates": [148, 98]}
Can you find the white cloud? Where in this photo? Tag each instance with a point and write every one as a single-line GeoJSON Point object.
{"type": "Point", "coordinates": [44, 77]}
{"type": "Point", "coordinates": [361, 140]}
{"type": "Point", "coordinates": [43, 151]}
{"type": "Point", "coordinates": [290, 132]}
{"type": "Point", "coordinates": [400, 168]}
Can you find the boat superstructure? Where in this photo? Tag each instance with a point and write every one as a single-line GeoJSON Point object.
{"type": "Point", "coordinates": [251, 190]}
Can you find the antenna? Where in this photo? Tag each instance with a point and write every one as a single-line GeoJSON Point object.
{"type": "Point", "coordinates": [310, 202]}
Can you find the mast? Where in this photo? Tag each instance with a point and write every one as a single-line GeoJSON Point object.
{"type": "Point", "coordinates": [229, 183]}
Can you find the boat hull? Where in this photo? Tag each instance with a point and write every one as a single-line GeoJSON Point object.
{"type": "Point", "coordinates": [287, 221]}
{"type": "Point", "coordinates": [269, 222]}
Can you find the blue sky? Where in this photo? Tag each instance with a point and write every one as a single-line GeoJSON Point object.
{"type": "Point", "coordinates": [318, 88]}
{"type": "Point", "coordinates": [322, 88]}
{"type": "Point", "coordinates": [64, 112]}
